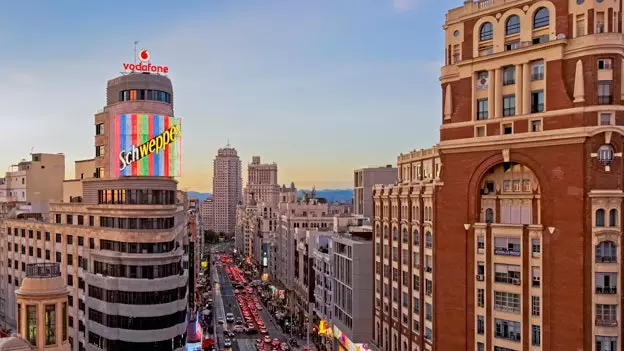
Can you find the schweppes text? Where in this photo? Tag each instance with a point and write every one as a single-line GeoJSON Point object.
{"type": "Point", "coordinates": [154, 145]}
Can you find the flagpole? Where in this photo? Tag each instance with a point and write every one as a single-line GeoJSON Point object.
{"type": "Point", "coordinates": [135, 51]}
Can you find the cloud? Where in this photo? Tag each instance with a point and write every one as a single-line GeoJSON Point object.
{"type": "Point", "coordinates": [404, 5]}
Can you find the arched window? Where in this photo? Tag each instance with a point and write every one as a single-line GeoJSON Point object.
{"type": "Point", "coordinates": [395, 343]}
{"type": "Point", "coordinates": [404, 346]}
{"type": "Point", "coordinates": [378, 333]}
{"type": "Point", "coordinates": [489, 216]}
{"type": "Point", "coordinates": [377, 230]}
{"type": "Point", "coordinates": [486, 32]}
{"type": "Point", "coordinates": [512, 26]}
{"type": "Point", "coordinates": [385, 232]}
{"type": "Point", "coordinates": [395, 234]}
{"type": "Point", "coordinates": [600, 217]}
{"type": "Point", "coordinates": [606, 252]}
{"type": "Point", "coordinates": [541, 18]}
{"type": "Point", "coordinates": [613, 217]}
{"type": "Point", "coordinates": [417, 213]}
{"type": "Point", "coordinates": [386, 338]}
{"type": "Point", "coordinates": [416, 237]}
{"type": "Point", "coordinates": [405, 236]}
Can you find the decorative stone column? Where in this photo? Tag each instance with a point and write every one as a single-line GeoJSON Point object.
{"type": "Point", "coordinates": [498, 93]}
{"type": "Point", "coordinates": [526, 88]}
{"type": "Point", "coordinates": [579, 83]}
{"type": "Point", "coordinates": [491, 94]}
{"type": "Point", "coordinates": [519, 78]}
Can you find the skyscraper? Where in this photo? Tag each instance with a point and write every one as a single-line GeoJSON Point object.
{"type": "Point", "coordinates": [227, 188]}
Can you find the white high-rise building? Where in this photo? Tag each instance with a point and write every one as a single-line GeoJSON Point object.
{"type": "Point", "coordinates": [227, 189]}
{"type": "Point", "coordinates": [262, 183]}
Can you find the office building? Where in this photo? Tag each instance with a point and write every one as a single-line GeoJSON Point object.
{"type": "Point", "coordinates": [120, 233]}
{"type": "Point", "coordinates": [363, 181]}
{"type": "Point", "coordinates": [206, 209]}
{"type": "Point", "coordinates": [227, 188]}
{"type": "Point", "coordinates": [262, 183]}
{"type": "Point", "coordinates": [522, 213]}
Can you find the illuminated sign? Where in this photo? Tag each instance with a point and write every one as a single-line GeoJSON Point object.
{"type": "Point", "coordinates": [145, 145]}
{"type": "Point", "coordinates": [347, 343]}
{"type": "Point", "coordinates": [204, 264]}
{"type": "Point", "coordinates": [145, 65]}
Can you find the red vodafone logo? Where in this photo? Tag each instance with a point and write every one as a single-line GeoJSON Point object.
{"type": "Point", "coordinates": [144, 55]}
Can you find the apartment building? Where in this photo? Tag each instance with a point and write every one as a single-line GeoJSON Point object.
{"type": "Point", "coordinates": [363, 181]}
{"type": "Point", "coordinates": [227, 188]}
{"type": "Point", "coordinates": [522, 212]}
{"type": "Point", "coordinates": [258, 224]}
{"type": "Point", "coordinates": [306, 213]}
{"type": "Point", "coordinates": [119, 232]}
{"type": "Point", "coordinates": [262, 183]}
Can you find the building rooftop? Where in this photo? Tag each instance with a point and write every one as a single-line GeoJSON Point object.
{"type": "Point", "coordinates": [14, 343]}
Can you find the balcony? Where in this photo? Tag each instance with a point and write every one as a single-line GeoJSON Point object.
{"type": "Point", "coordinates": [606, 259]}
{"type": "Point", "coordinates": [606, 290]}
{"type": "Point", "coordinates": [605, 100]}
{"type": "Point", "coordinates": [506, 252]}
{"type": "Point", "coordinates": [43, 270]}
{"type": "Point", "coordinates": [507, 280]}
{"type": "Point", "coordinates": [606, 323]}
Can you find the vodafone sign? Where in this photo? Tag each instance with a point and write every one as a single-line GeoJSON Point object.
{"type": "Point", "coordinates": [144, 65]}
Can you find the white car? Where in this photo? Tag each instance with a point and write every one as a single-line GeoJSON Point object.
{"type": "Point", "coordinates": [227, 343]}
{"type": "Point", "coordinates": [221, 321]}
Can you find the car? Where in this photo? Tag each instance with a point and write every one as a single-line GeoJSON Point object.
{"type": "Point", "coordinates": [263, 331]}
{"type": "Point", "coordinates": [239, 328]}
{"type": "Point", "coordinates": [284, 347]}
{"type": "Point", "coordinates": [239, 321]}
{"type": "Point", "coordinates": [227, 343]}
{"type": "Point", "coordinates": [259, 307]}
{"type": "Point", "coordinates": [276, 342]}
{"type": "Point", "coordinates": [221, 321]}
{"type": "Point", "coordinates": [267, 339]}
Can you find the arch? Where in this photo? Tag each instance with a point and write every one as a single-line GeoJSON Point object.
{"type": "Point", "coordinates": [551, 11]}
{"type": "Point", "coordinates": [475, 31]}
{"type": "Point", "coordinates": [416, 237]}
{"type": "Point", "coordinates": [512, 25]}
{"type": "Point", "coordinates": [395, 234]}
{"type": "Point", "coordinates": [428, 240]}
{"type": "Point", "coordinates": [599, 220]}
{"type": "Point", "coordinates": [385, 231]}
{"type": "Point", "coordinates": [606, 251]}
{"type": "Point", "coordinates": [489, 216]}
{"type": "Point", "coordinates": [478, 175]}
{"type": "Point", "coordinates": [404, 345]}
{"type": "Point", "coordinates": [405, 234]}
{"type": "Point", "coordinates": [541, 18]}
{"type": "Point", "coordinates": [486, 31]}
{"type": "Point", "coordinates": [613, 214]}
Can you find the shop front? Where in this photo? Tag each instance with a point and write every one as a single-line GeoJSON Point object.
{"type": "Point", "coordinates": [343, 343]}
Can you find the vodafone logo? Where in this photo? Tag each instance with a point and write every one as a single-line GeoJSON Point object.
{"type": "Point", "coordinates": [144, 55]}
{"type": "Point", "coordinates": [144, 65]}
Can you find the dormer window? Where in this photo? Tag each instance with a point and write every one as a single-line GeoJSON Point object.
{"type": "Point", "coordinates": [486, 32]}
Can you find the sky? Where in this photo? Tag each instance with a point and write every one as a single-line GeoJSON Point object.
{"type": "Point", "coordinates": [321, 87]}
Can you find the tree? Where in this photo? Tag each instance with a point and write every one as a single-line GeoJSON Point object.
{"type": "Point", "coordinates": [210, 236]}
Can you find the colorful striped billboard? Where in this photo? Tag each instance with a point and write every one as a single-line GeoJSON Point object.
{"type": "Point", "coordinates": [146, 144]}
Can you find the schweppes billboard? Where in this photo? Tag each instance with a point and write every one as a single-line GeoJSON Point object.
{"type": "Point", "coordinates": [146, 145]}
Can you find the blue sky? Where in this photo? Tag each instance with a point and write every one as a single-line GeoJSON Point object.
{"type": "Point", "coordinates": [319, 86]}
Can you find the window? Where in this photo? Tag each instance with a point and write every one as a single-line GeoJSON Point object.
{"type": "Point", "coordinates": [604, 92]}
{"type": "Point", "coordinates": [604, 64]}
{"type": "Point", "coordinates": [536, 335]}
{"type": "Point", "coordinates": [99, 129]}
{"type": "Point", "coordinates": [428, 240]}
{"type": "Point", "coordinates": [99, 150]}
{"type": "Point", "coordinates": [506, 302]}
{"type": "Point", "coordinates": [480, 131]}
{"type": "Point", "coordinates": [613, 217]}
{"type": "Point", "coordinates": [606, 252]}
{"type": "Point", "coordinates": [536, 277]}
{"type": "Point", "coordinates": [480, 242]}
{"type": "Point", "coordinates": [580, 25]}
{"type": "Point", "coordinates": [58, 237]}
{"type": "Point", "coordinates": [507, 246]}
{"type": "Point", "coordinates": [600, 217]}
{"type": "Point", "coordinates": [480, 346]}
{"type": "Point", "coordinates": [480, 297]}
{"type": "Point", "coordinates": [606, 283]}
{"type": "Point", "coordinates": [70, 239]}
{"type": "Point", "coordinates": [512, 45]}
{"type": "Point", "coordinates": [508, 330]}
{"type": "Point", "coordinates": [428, 334]}
{"type": "Point", "coordinates": [58, 257]}
{"type": "Point", "coordinates": [507, 273]}
{"type": "Point", "coordinates": [507, 128]}
{"type": "Point", "coordinates": [535, 305]}
{"type": "Point", "coordinates": [482, 109]}
{"type": "Point", "coordinates": [31, 324]}
{"type": "Point", "coordinates": [509, 105]}
{"type": "Point", "coordinates": [537, 101]}
{"type": "Point", "coordinates": [606, 343]}
{"type": "Point", "coordinates": [486, 32]}
{"type": "Point", "coordinates": [50, 324]}
{"type": "Point", "coordinates": [537, 71]}
{"type": "Point", "coordinates": [480, 325]}
{"type": "Point", "coordinates": [536, 125]}
{"type": "Point", "coordinates": [416, 305]}
{"type": "Point", "coordinates": [512, 26]}
{"type": "Point", "coordinates": [606, 315]}
{"type": "Point", "coordinates": [541, 18]}
{"type": "Point", "coordinates": [535, 246]}
{"type": "Point", "coordinates": [428, 312]}
{"type": "Point", "coordinates": [605, 155]}
{"type": "Point", "coordinates": [605, 119]}
{"type": "Point", "coordinates": [509, 74]}
{"type": "Point", "coordinates": [64, 324]}
{"type": "Point", "coordinates": [540, 39]}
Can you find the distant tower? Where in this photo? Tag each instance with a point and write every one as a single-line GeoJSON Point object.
{"type": "Point", "coordinates": [42, 308]}
{"type": "Point", "coordinates": [227, 188]}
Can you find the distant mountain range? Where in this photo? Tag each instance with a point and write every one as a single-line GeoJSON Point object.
{"type": "Point", "coordinates": [329, 194]}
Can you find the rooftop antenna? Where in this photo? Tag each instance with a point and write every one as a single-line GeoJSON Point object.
{"type": "Point", "coordinates": [31, 150]}
{"type": "Point", "coordinates": [228, 142]}
{"type": "Point", "coordinates": [136, 42]}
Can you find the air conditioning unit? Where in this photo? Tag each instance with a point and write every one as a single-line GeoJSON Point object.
{"type": "Point", "coordinates": [480, 277]}
{"type": "Point", "coordinates": [516, 281]}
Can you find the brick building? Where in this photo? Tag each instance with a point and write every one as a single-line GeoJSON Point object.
{"type": "Point", "coordinates": [507, 235]}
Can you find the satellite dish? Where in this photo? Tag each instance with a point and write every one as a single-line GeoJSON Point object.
{"type": "Point", "coordinates": [561, 36]}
